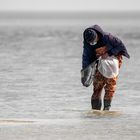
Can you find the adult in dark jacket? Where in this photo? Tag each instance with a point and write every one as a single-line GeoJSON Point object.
{"type": "Point", "coordinates": [98, 43]}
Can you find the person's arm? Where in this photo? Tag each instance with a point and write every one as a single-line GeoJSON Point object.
{"type": "Point", "coordinates": [85, 57]}
{"type": "Point", "coordinates": [116, 47]}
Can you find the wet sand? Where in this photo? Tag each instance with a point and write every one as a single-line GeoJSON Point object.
{"type": "Point", "coordinates": [93, 127]}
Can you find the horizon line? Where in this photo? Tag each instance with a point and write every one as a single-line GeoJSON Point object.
{"type": "Point", "coordinates": [70, 11]}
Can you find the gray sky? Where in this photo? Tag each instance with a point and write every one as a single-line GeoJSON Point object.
{"type": "Point", "coordinates": [70, 5]}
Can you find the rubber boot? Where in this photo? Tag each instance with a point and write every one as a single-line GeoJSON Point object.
{"type": "Point", "coordinates": [96, 104]}
{"type": "Point", "coordinates": [107, 104]}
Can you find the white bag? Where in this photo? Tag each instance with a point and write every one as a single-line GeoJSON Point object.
{"type": "Point", "coordinates": [109, 67]}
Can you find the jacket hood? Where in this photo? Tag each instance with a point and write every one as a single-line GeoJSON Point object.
{"type": "Point", "coordinates": [98, 29]}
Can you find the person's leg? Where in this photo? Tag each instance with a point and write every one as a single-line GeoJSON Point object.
{"type": "Point", "coordinates": [110, 88]}
{"type": "Point", "coordinates": [97, 90]}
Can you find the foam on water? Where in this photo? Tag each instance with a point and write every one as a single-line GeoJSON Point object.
{"type": "Point", "coordinates": [104, 113]}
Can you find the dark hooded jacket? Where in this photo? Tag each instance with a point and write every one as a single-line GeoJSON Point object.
{"type": "Point", "coordinates": [113, 44]}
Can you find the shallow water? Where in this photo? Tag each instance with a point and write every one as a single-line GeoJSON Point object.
{"type": "Point", "coordinates": [40, 84]}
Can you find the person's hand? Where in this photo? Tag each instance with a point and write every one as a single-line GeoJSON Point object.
{"type": "Point", "coordinates": [104, 56]}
